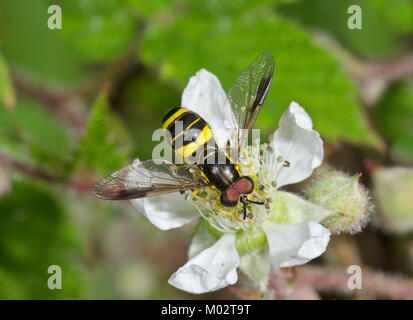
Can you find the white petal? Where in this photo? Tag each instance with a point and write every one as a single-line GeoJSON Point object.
{"type": "Point", "coordinates": [295, 244]}
{"type": "Point", "coordinates": [212, 269]}
{"type": "Point", "coordinates": [296, 142]}
{"type": "Point", "coordinates": [205, 96]}
{"type": "Point", "coordinates": [202, 239]}
{"type": "Point", "coordinates": [256, 265]}
{"type": "Point", "coordinates": [167, 211]}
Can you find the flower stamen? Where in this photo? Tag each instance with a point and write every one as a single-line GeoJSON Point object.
{"type": "Point", "coordinates": [253, 210]}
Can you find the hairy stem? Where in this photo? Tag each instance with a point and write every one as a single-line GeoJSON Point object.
{"type": "Point", "coordinates": [373, 283]}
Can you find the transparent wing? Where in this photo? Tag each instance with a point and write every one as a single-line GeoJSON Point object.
{"type": "Point", "coordinates": [145, 179]}
{"type": "Point", "coordinates": [248, 93]}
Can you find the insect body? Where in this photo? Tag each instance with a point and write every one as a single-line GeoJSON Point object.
{"type": "Point", "coordinates": [205, 165]}
{"type": "Point", "coordinates": [191, 137]}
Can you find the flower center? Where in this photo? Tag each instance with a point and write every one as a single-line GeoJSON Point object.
{"type": "Point", "coordinates": [256, 162]}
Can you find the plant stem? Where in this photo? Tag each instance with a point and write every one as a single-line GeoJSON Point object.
{"type": "Point", "coordinates": [373, 283]}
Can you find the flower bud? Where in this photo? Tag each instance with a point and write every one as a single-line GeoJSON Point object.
{"type": "Point", "coordinates": [392, 191]}
{"type": "Point", "coordinates": [344, 195]}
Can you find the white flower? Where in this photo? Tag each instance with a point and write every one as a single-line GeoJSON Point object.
{"type": "Point", "coordinates": [290, 223]}
{"type": "Point", "coordinates": [210, 270]}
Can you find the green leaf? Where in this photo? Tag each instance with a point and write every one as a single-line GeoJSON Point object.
{"type": "Point", "coordinates": [143, 108]}
{"type": "Point", "coordinates": [7, 94]}
{"type": "Point", "coordinates": [396, 14]}
{"type": "Point", "coordinates": [32, 48]}
{"type": "Point", "coordinates": [35, 234]}
{"type": "Point", "coordinates": [106, 145]}
{"type": "Point", "coordinates": [393, 116]}
{"type": "Point", "coordinates": [384, 22]}
{"type": "Point", "coordinates": [148, 9]}
{"type": "Point", "coordinates": [99, 31]}
{"type": "Point", "coordinates": [162, 10]}
{"type": "Point", "coordinates": [35, 127]}
{"type": "Point", "coordinates": [225, 45]}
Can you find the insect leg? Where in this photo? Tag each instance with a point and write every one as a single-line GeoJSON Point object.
{"type": "Point", "coordinates": [227, 212]}
{"type": "Point", "coordinates": [255, 202]}
{"type": "Point", "coordinates": [195, 194]}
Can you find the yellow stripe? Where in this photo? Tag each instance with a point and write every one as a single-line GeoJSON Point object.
{"type": "Point", "coordinates": [228, 156]}
{"type": "Point", "coordinates": [190, 148]}
{"type": "Point", "coordinates": [205, 135]}
{"type": "Point", "coordinates": [205, 178]}
{"type": "Point", "coordinates": [173, 117]}
{"type": "Point", "coordinates": [183, 131]}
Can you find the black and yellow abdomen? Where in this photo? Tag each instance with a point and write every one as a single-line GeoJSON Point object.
{"type": "Point", "coordinates": [190, 136]}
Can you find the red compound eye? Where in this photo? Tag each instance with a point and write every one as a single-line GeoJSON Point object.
{"type": "Point", "coordinates": [229, 198]}
{"type": "Point", "coordinates": [245, 185]}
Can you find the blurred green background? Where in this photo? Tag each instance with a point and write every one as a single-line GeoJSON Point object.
{"type": "Point", "coordinates": [80, 102]}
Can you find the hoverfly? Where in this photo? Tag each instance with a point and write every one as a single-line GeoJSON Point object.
{"type": "Point", "coordinates": [157, 177]}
